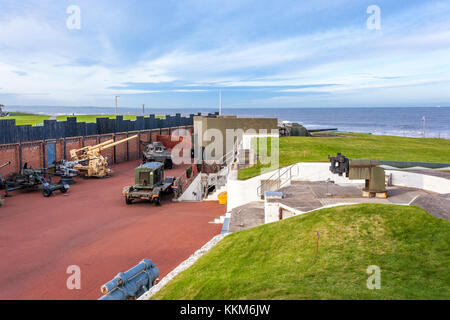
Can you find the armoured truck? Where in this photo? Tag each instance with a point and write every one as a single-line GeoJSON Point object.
{"type": "Point", "coordinates": [149, 184]}
{"type": "Point", "coordinates": [157, 152]}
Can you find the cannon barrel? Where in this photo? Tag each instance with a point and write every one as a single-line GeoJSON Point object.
{"type": "Point", "coordinates": [340, 164]}
{"type": "Point", "coordinates": [5, 164]}
{"type": "Point", "coordinates": [132, 283]}
{"type": "Point", "coordinates": [112, 143]}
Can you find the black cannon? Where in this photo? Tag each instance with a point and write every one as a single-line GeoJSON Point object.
{"type": "Point", "coordinates": [131, 284]}
{"type": "Point", "coordinates": [29, 178]}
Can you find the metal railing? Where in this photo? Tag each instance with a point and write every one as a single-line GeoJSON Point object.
{"type": "Point", "coordinates": [277, 180]}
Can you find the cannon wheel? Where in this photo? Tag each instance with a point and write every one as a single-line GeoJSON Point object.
{"type": "Point", "coordinates": [47, 193]}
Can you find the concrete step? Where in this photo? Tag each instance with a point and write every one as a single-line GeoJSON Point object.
{"type": "Point", "coordinates": [219, 220]}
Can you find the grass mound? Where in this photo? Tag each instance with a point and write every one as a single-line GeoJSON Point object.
{"type": "Point", "coordinates": [279, 260]}
{"type": "Point", "coordinates": [356, 145]}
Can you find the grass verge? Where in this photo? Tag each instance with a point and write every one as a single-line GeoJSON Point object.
{"type": "Point", "coordinates": [279, 260]}
{"type": "Point", "coordinates": [356, 145]}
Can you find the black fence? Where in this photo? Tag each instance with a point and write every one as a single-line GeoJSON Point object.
{"type": "Point", "coordinates": [52, 129]}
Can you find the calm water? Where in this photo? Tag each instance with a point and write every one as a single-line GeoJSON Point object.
{"type": "Point", "coordinates": [386, 121]}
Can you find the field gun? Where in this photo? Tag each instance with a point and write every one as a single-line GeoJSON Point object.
{"type": "Point", "coordinates": [90, 162]}
{"type": "Point", "coordinates": [29, 178]}
{"type": "Point", "coordinates": [1, 177]}
{"type": "Point", "coordinates": [372, 171]}
{"type": "Point", "coordinates": [131, 284]}
{"type": "Point", "coordinates": [1, 180]}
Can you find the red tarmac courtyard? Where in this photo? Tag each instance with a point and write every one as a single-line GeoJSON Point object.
{"type": "Point", "coordinates": [93, 228]}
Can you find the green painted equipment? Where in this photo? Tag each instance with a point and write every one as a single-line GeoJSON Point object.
{"type": "Point", "coordinates": [373, 171]}
{"type": "Point", "coordinates": [149, 183]}
{"type": "Point", "coordinates": [354, 169]}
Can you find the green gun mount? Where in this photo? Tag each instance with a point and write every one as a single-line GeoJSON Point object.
{"type": "Point", "coordinates": [373, 171]}
{"type": "Point", "coordinates": [355, 169]}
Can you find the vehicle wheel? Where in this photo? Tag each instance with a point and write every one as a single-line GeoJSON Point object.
{"type": "Point", "coordinates": [128, 200]}
{"type": "Point", "coordinates": [169, 164]}
{"type": "Point", "coordinates": [157, 201]}
{"type": "Point", "coordinates": [47, 193]}
{"type": "Point", "coordinates": [63, 190]}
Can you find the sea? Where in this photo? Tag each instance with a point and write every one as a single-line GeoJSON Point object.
{"type": "Point", "coordinates": [429, 122]}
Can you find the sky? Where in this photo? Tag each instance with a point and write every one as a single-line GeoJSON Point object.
{"type": "Point", "coordinates": [260, 54]}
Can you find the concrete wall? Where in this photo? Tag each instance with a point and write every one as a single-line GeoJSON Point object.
{"type": "Point", "coordinates": [194, 191]}
{"type": "Point", "coordinates": [420, 181]}
{"type": "Point", "coordinates": [240, 192]}
{"type": "Point", "coordinates": [222, 124]}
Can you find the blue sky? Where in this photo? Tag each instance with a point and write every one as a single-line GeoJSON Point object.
{"type": "Point", "coordinates": [260, 53]}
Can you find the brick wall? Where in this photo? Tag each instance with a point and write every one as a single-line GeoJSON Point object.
{"type": "Point", "coordinates": [33, 152]}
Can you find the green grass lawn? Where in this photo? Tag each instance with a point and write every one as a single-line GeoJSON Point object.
{"type": "Point", "coordinates": [35, 119]}
{"type": "Point", "coordinates": [357, 145]}
{"type": "Point", "coordinates": [278, 260]}
{"type": "Point", "coordinates": [93, 117]}
{"type": "Point", "coordinates": [27, 118]}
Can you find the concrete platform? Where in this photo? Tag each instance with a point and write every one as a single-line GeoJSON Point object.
{"type": "Point", "coordinates": [437, 205]}
{"type": "Point", "coordinates": [308, 196]}
{"type": "Point", "coordinates": [247, 216]}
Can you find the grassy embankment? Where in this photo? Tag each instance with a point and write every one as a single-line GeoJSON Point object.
{"type": "Point", "coordinates": [27, 118]}
{"type": "Point", "coordinates": [279, 260]}
{"type": "Point", "coordinates": [93, 118]}
{"type": "Point", "coordinates": [356, 145]}
{"type": "Point", "coordinates": [35, 119]}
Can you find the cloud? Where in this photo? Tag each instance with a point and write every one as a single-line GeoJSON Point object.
{"type": "Point", "coordinates": [201, 50]}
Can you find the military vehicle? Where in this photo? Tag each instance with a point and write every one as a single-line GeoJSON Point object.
{"type": "Point", "coordinates": [156, 151]}
{"type": "Point", "coordinates": [149, 185]}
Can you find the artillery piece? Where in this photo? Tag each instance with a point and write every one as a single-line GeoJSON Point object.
{"type": "Point", "coordinates": [29, 178]}
{"type": "Point", "coordinates": [90, 162]}
{"type": "Point", "coordinates": [2, 184]}
{"type": "Point", "coordinates": [131, 284]}
{"type": "Point", "coordinates": [373, 171]}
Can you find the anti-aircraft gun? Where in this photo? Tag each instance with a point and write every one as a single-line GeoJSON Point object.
{"type": "Point", "coordinates": [149, 183]}
{"type": "Point", "coordinates": [156, 151]}
{"type": "Point", "coordinates": [91, 163]}
{"type": "Point", "coordinates": [131, 284]}
{"type": "Point", "coordinates": [372, 171]}
{"type": "Point", "coordinates": [2, 183]}
{"type": "Point", "coordinates": [29, 178]}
